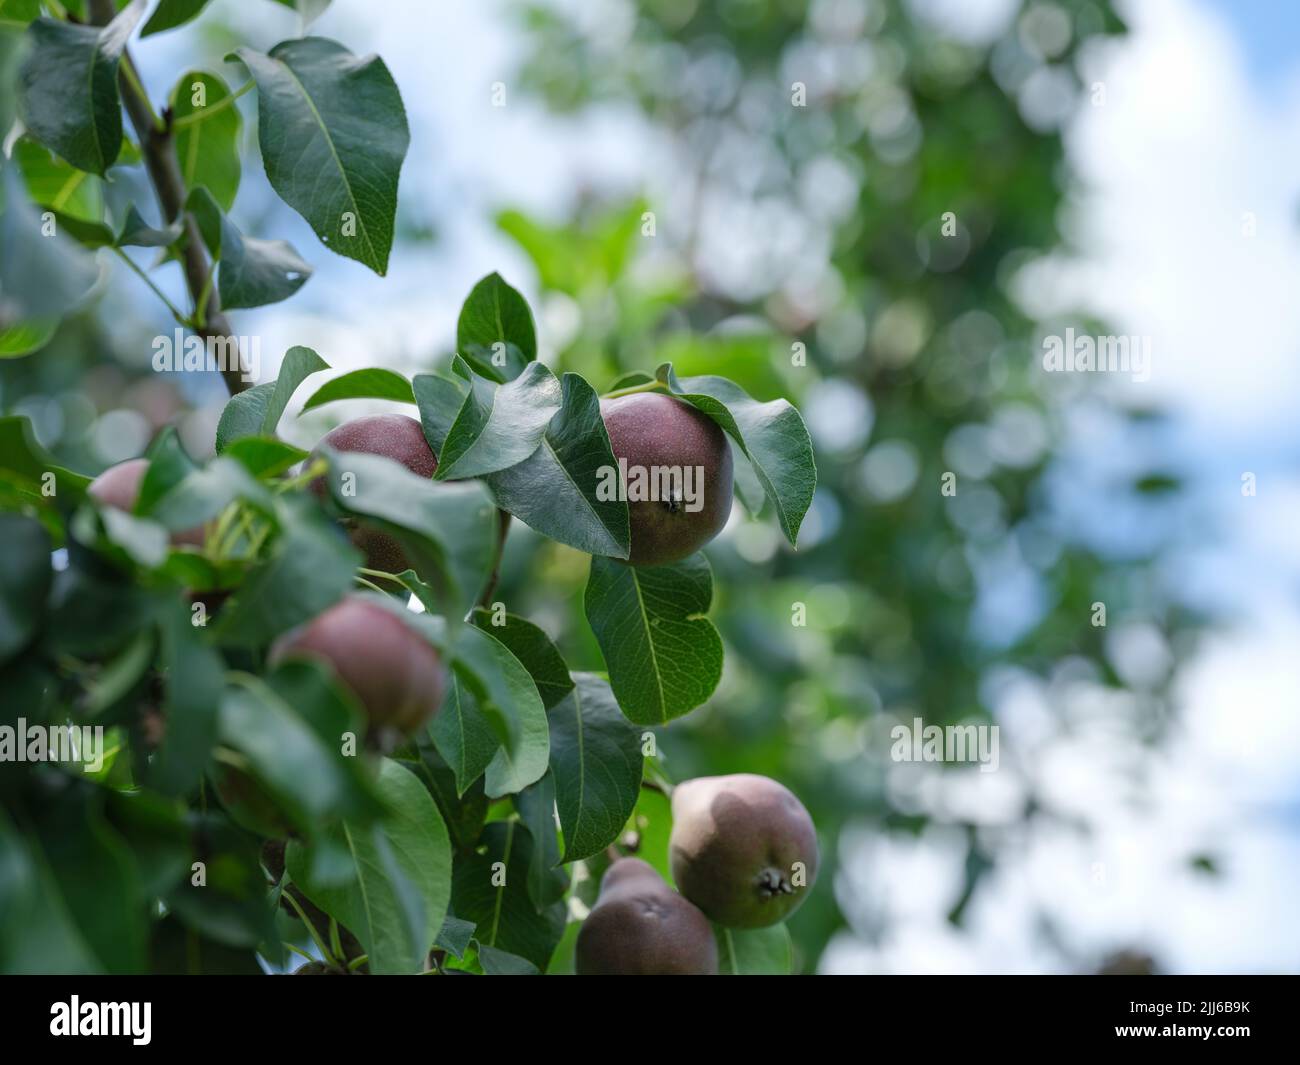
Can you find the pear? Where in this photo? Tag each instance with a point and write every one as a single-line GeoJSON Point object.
{"type": "Point", "coordinates": [743, 849]}
{"type": "Point", "coordinates": [657, 434]}
{"type": "Point", "coordinates": [642, 927]}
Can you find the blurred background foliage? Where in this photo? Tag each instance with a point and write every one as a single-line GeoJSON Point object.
{"type": "Point", "coordinates": [799, 251]}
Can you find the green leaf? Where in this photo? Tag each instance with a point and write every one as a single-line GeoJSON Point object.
{"type": "Point", "coordinates": [495, 332]}
{"type": "Point", "coordinates": [465, 814]}
{"type": "Point", "coordinates": [257, 412]}
{"type": "Point", "coordinates": [264, 456]}
{"type": "Point", "coordinates": [168, 467]}
{"type": "Point", "coordinates": [440, 398]}
{"type": "Point", "coordinates": [251, 272]}
{"type": "Point", "coordinates": [455, 936]}
{"type": "Point", "coordinates": [26, 337]}
{"type": "Point", "coordinates": [333, 135]}
{"type": "Point", "coordinates": [371, 383]}
{"type": "Point", "coordinates": [67, 92]}
{"type": "Point", "coordinates": [203, 493]}
{"type": "Point", "coordinates": [25, 578]}
{"type": "Point", "coordinates": [446, 529]}
{"type": "Point", "coordinates": [536, 805]}
{"type": "Point", "coordinates": [596, 761]}
{"type": "Point", "coordinates": [41, 276]}
{"type": "Point", "coordinates": [395, 898]}
{"type": "Point", "coordinates": [195, 678]}
{"type": "Point", "coordinates": [96, 878]}
{"type": "Point", "coordinates": [495, 897]}
{"type": "Point", "coordinates": [303, 770]}
{"type": "Point", "coordinates": [499, 425]}
{"type": "Point", "coordinates": [663, 655]}
{"type": "Point", "coordinates": [463, 735]}
{"type": "Point", "coordinates": [496, 718]}
{"type": "Point", "coordinates": [137, 233]}
{"type": "Point", "coordinates": [172, 13]}
{"type": "Point", "coordinates": [54, 184]}
{"type": "Point", "coordinates": [554, 489]}
{"type": "Point", "coordinates": [25, 464]}
{"type": "Point", "coordinates": [754, 952]}
{"type": "Point", "coordinates": [207, 148]}
{"type": "Point", "coordinates": [37, 935]}
{"type": "Point", "coordinates": [503, 963]}
{"type": "Point", "coordinates": [772, 436]}
{"type": "Point", "coordinates": [19, 12]}
{"type": "Point", "coordinates": [311, 568]}
{"type": "Point", "coordinates": [535, 652]}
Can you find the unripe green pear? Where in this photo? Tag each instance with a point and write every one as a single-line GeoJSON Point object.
{"type": "Point", "coordinates": [642, 927]}
{"type": "Point", "coordinates": [119, 487]}
{"type": "Point", "coordinates": [395, 674]}
{"type": "Point", "coordinates": [655, 432]}
{"type": "Point", "coordinates": [743, 849]}
{"type": "Point", "coordinates": [394, 436]}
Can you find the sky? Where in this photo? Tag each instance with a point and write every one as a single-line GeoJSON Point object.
{"type": "Point", "coordinates": [1186, 233]}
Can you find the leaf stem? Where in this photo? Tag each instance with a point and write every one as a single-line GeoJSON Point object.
{"type": "Point", "coordinates": [132, 77]}
{"type": "Point", "coordinates": [503, 530]}
{"type": "Point", "coordinates": [632, 390]}
{"type": "Point", "coordinates": [156, 290]}
{"type": "Point", "coordinates": [207, 112]}
{"type": "Point", "coordinates": [310, 928]}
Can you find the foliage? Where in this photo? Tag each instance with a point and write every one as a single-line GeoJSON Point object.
{"type": "Point", "coordinates": [230, 784]}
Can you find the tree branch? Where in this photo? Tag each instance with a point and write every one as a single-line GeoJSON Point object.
{"type": "Point", "coordinates": [158, 149]}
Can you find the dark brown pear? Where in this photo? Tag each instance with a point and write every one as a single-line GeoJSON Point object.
{"type": "Point", "coordinates": [393, 436]}
{"type": "Point", "coordinates": [653, 435]}
{"type": "Point", "coordinates": [396, 675]}
{"type": "Point", "coordinates": [642, 927]}
{"type": "Point", "coordinates": [743, 849]}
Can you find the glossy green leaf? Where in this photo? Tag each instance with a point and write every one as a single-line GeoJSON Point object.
{"type": "Point", "coordinates": [533, 648]}
{"type": "Point", "coordinates": [55, 184]}
{"type": "Point", "coordinates": [257, 412]}
{"type": "Point", "coordinates": [67, 93]}
{"type": "Point", "coordinates": [499, 425]}
{"type": "Point", "coordinates": [26, 337]}
{"type": "Point", "coordinates": [772, 435]}
{"type": "Point", "coordinates": [25, 579]}
{"type": "Point", "coordinates": [495, 332]}
{"type": "Point", "coordinates": [374, 382]}
{"type": "Point", "coordinates": [596, 761]}
{"type": "Point", "coordinates": [664, 657]}
{"type": "Point", "coordinates": [395, 898]}
{"type": "Point", "coordinates": [754, 952]}
{"type": "Point", "coordinates": [554, 489]}
{"type": "Point", "coordinates": [207, 146]}
{"type": "Point", "coordinates": [495, 896]}
{"type": "Point", "coordinates": [333, 134]}
{"type": "Point", "coordinates": [172, 13]}
{"type": "Point", "coordinates": [547, 883]}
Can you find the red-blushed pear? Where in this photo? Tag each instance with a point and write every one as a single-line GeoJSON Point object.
{"type": "Point", "coordinates": [395, 674]}
{"type": "Point", "coordinates": [119, 487]}
{"type": "Point", "coordinates": [394, 436]}
{"type": "Point", "coordinates": [743, 849]}
{"type": "Point", "coordinates": [642, 927]}
{"type": "Point", "coordinates": [655, 434]}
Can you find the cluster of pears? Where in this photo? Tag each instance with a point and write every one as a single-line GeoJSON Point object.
{"type": "Point", "coordinates": [743, 852]}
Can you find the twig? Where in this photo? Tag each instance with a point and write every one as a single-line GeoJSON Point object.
{"type": "Point", "coordinates": [158, 150]}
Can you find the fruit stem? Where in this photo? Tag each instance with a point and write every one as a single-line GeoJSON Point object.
{"type": "Point", "coordinates": [503, 529]}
